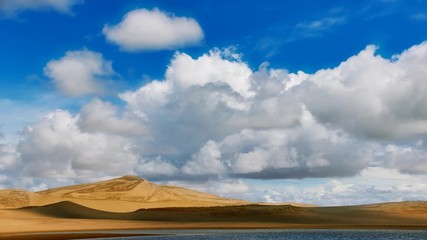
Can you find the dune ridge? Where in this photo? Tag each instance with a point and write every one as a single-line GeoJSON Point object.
{"type": "Point", "coordinates": [18, 198]}
{"type": "Point", "coordinates": [403, 213]}
{"type": "Point", "coordinates": [131, 202]}
{"type": "Point", "coordinates": [68, 216]}
{"type": "Point", "coordinates": [124, 194]}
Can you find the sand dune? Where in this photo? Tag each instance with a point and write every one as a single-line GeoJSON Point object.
{"type": "Point", "coordinates": [68, 216]}
{"type": "Point", "coordinates": [125, 194]}
{"type": "Point", "coordinates": [408, 213]}
{"type": "Point", "coordinates": [134, 203]}
{"type": "Point", "coordinates": [17, 198]}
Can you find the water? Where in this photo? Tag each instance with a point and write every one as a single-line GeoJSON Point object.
{"type": "Point", "coordinates": [282, 235]}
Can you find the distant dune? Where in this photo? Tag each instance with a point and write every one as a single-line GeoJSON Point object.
{"type": "Point", "coordinates": [134, 203]}
{"type": "Point", "coordinates": [17, 198]}
{"type": "Point", "coordinates": [403, 213]}
{"type": "Point", "coordinates": [125, 194]}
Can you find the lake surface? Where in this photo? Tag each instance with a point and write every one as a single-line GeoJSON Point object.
{"type": "Point", "coordinates": [282, 235]}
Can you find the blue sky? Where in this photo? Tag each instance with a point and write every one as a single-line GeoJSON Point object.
{"type": "Point", "coordinates": [270, 101]}
{"type": "Point", "coordinates": [277, 31]}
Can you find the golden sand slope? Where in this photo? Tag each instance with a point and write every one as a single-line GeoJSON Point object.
{"type": "Point", "coordinates": [125, 194]}
{"type": "Point", "coordinates": [379, 214]}
{"type": "Point", "coordinates": [16, 198]}
{"type": "Point", "coordinates": [68, 216]}
{"type": "Point", "coordinates": [134, 203]}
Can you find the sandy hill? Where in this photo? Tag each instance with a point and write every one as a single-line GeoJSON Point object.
{"type": "Point", "coordinates": [15, 198]}
{"type": "Point", "coordinates": [125, 194]}
{"type": "Point", "coordinates": [132, 202]}
{"type": "Point", "coordinates": [404, 213]}
{"type": "Point", "coordinates": [62, 218]}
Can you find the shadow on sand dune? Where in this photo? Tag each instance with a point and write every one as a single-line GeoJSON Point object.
{"type": "Point", "coordinates": [406, 213]}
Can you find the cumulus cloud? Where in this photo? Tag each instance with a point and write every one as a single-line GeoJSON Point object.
{"type": "Point", "coordinates": [217, 67]}
{"type": "Point", "coordinates": [57, 147]}
{"type": "Point", "coordinates": [310, 150]}
{"type": "Point", "coordinates": [371, 96]}
{"type": "Point", "coordinates": [144, 29]}
{"type": "Point", "coordinates": [206, 161]}
{"type": "Point", "coordinates": [408, 159]}
{"type": "Point", "coordinates": [241, 123]}
{"type": "Point", "coordinates": [103, 117]}
{"type": "Point", "coordinates": [9, 157]}
{"type": "Point", "coordinates": [156, 169]}
{"type": "Point", "coordinates": [214, 118]}
{"type": "Point", "coordinates": [80, 73]}
{"type": "Point", "coordinates": [15, 114]}
{"type": "Point", "coordinates": [13, 7]}
{"type": "Point", "coordinates": [271, 123]}
{"type": "Point", "coordinates": [197, 108]}
{"type": "Point", "coordinates": [372, 185]}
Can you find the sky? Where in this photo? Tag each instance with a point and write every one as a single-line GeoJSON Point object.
{"type": "Point", "coordinates": [320, 102]}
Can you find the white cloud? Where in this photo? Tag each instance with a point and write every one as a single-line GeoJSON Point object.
{"type": "Point", "coordinates": [206, 161]}
{"type": "Point", "coordinates": [239, 122]}
{"type": "Point", "coordinates": [372, 97]}
{"type": "Point", "coordinates": [143, 29]}
{"type": "Point", "coordinates": [156, 168]}
{"type": "Point", "coordinates": [212, 118]}
{"type": "Point", "coordinates": [103, 117]}
{"type": "Point", "coordinates": [57, 147]}
{"type": "Point", "coordinates": [310, 150]}
{"type": "Point", "coordinates": [13, 7]}
{"type": "Point", "coordinates": [215, 68]}
{"type": "Point", "coordinates": [80, 73]}
{"type": "Point", "coordinates": [373, 185]}
{"type": "Point", "coordinates": [198, 105]}
{"type": "Point", "coordinates": [321, 24]}
{"type": "Point", "coordinates": [408, 159]}
{"type": "Point", "coordinates": [9, 157]}
{"type": "Point", "coordinates": [316, 27]}
{"type": "Point", "coordinates": [275, 124]}
{"type": "Point", "coordinates": [15, 115]}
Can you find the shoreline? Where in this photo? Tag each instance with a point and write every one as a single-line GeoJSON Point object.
{"type": "Point", "coordinates": [69, 235]}
{"type": "Point", "coordinates": [121, 232]}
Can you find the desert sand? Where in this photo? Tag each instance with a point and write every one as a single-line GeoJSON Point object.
{"type": "Point", "coordinates": [125, 194]}
{"type": "Point", "coordinates": [134, 203]}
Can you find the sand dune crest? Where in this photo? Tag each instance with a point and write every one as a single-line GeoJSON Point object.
{"type": "Point", "coordinates": [133, 202]}
{"type": "Point", "coordinates": [124, 194]}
